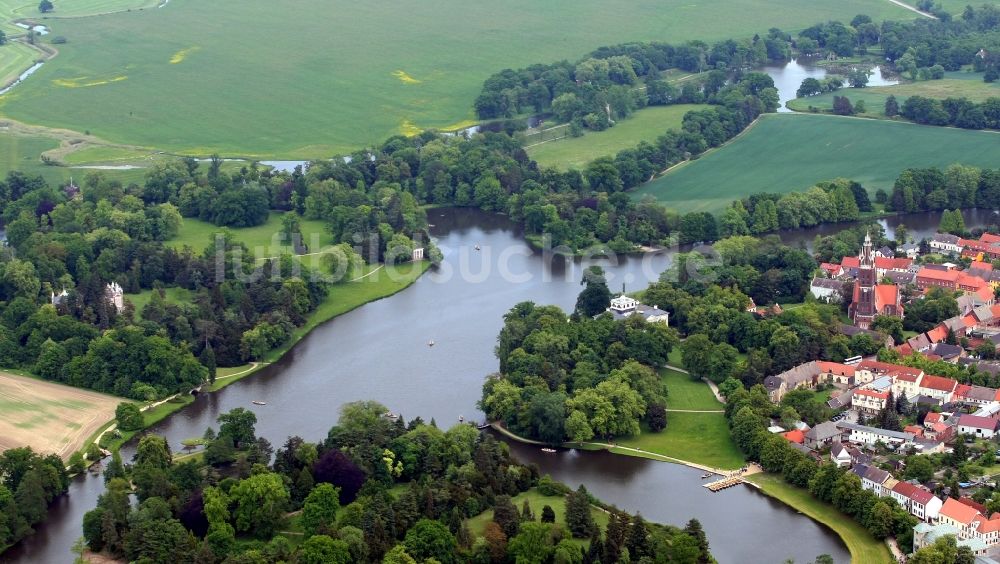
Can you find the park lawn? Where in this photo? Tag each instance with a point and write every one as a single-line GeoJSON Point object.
{"type": "Point", "coordinates": [702, 438]}
{"type": "Point", "coordinates": [792, 152]}
{"type": "Point", "coordinates": [173, 295]}
{"type": "Point", "coordinates": [263, 240]}
{"type": "Point", "coordinates": [15, 58]}
{"type": "Point", "coordinates": [644, 125]}
{"type": "Point", "coordinates": [358, 72]}
{"type": "Point", "coordinates": [685, 393]}
{"type": "Point", "coordinates": [536, 500]}
{"type": "Point", "coordinates": [863, 546]}
{"type": "Point", "coordinates": [960, 84]}
{"type": "Point", "coordinates": [69, 8]}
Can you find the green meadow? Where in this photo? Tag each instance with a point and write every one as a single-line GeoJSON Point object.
{"type": "Point", "coordinates": [790, 152]}
{"type": "Point", "coordinates": [536, 501]}
{"type": "Point", "coordinates": [645, 125]}
{"type": "Point", "coordinates": [257, 79]}
{"type": "Point", "coordinates": [955, 84]}
{"type": "Point", "coordinates": [264, 239]}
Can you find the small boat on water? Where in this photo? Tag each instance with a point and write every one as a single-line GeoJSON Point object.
{"type": "Point", "coordinates": [391, 415]}
{"type": "Point", "coordinates": [430, 343]}
{"type": "Point", "coordinates": [477, 247]}
{"type": "Point", "coordinates": [548, 450]}
{"type": "Point", "coordinates": [461, 419]}
{"type": "Point", "coordinates": [258, 402]}
{"type": "Point", "coordinates": [703, 476]}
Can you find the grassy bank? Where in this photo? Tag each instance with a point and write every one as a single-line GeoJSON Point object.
{"type": "Point", "coordinates": [702, 438]}
{"type": "Point", "coordinates": [127, 76]}
{"type": "Point", "coordinates": [645, 125]}
{"type": "Point", "coordinates": [863, 547]}
{"type": "Point", "coordinates": [784, 153]}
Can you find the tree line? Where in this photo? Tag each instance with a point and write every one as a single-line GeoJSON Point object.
{"type": "Point", "coordinates": [29, 482]}
{"type": "Point", "coordinates": [375, 490]}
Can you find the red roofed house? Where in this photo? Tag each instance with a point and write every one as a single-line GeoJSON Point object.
{"type": "Point", "coordinates": [795, 436]}
{"type": "Point", "coordinates": [989, 238]}
{"type": "Point", "coordinates": [848, 263]}
{"type": "Point", "coordinates": [983, 427]}
{"type": "Point", "coordinates": [836, 373]}
{"type": "Point", "coordinates": [978, 265]}
{"type": "Point", "coordinates": [869, 370]}
{"type": "Point", "coordinates": [869, 402]}
{"type": "Point", "coordinates": [958, 515]}
{"type": "Point", "coordinates": [832, 270]}
{"type": "Point", "coordinates": [929, 277]}
{"type": "Point", "coordinates": [883, 265]}
{"type": "Point", "coordinates": [917, 500]}
{"type": "Point", "coordinates": [938, 387]}
{"type": "Point", "coordinates": [932, 418]}
{"type": "Point", "coordinates": [870, 298]}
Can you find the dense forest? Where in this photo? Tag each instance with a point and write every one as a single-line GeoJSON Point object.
{"type": "Point", "coordinates": [28, 483]}
{"type": "Point", "coordinates": [375, 490]}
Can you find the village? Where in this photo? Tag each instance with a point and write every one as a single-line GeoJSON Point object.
{"type": "Point", "coordinates": [887, 414]}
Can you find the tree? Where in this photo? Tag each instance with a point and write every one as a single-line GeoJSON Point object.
{"type": "Point", "coordinates": [952, 222]}
{"type": "Point", "coordinates": [596, 296]}
{"type": "Point", "coordinates": [319, 512]}
{"type": "Point", "coordinates": [506, 516]}
{"type": "Point", "coordinates": [548, 514]}
{"type": "Point", "coordinates": [891, 106]}
{"type": "Point", "coordinates": [129, 417]}
{"type": "Point", "coordinates": [260, 501]}
{"type": "Point", "coordinates": [842, 106]}
{"type": "Point", "coordinates": [45, 6]}
{"type": "Point", "coordinates": [336, 468]}
{"type": "Point", "coordinates": [532, 545]}
{"type": "Point", "coordinates": [430, 539]}
{"type": "Point", "coordinates": [237, 426]}
{"type": "Point", "coordinates": [322, 549]}
{"type": "Point", "coordinates": [579, 519]}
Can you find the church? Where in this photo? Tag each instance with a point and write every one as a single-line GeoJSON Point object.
{"type": "Point", "coordinates": [871, 298]}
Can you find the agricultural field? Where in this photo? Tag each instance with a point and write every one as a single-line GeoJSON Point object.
{"type": "Point", "coordinates": [645, 125]}
{"type": "Point", "coordinates": [955, 84]}
{"type": "Point", "coordinates": [340, 74]}
{"type": "Point", "coordinates": [50, 417]}
{"type": "Point", "coordinates": [790, 152]}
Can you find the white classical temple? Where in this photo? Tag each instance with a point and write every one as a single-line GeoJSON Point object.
{"type": "Point", "coordinates": [624, 306]}
{"type": "Point", "coordinates": [115, 296]}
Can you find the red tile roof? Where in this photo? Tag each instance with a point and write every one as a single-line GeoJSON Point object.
{"type": "Point", "coordinates": [937, 334]}
{"type": "Point", "coordinates": [795, 436]}
{"type": "Point", "coordinates": [904, 488]}
{"type": "Point", "coordinates": [989, 238]}
{"type": "Point", "coordinates": [962, 389]}
{"type": "Point", "coordinates": [932, 418]}
{"type": "Point", "coordinates": [978, 265]}
{"type": "Point", "coordinates": [973, 504]}
{"type": "Point", "coordinates": [850, 262]}
{"type": "Point", "coordinates": [915, 429]}
{"type": "Point", "coordinates": [871, 393]}
{"type": "Point", "coordinates": [985, 293]}
{"type": "Point", "coordinates": [989, 526]}
{"type": "Point", "coordinates": [921, 496]}
{"type": "Point", "coordinates": [892, 263]}
{"type": "Point", "coordinates": [958, 511]}
{"type": "Point", "coordinates": [886, 294]}
{"type": "Point", "coordinates": [938, 383]}
{"type": "Point", "coordinates": [836, 368]}
{"type": "Point", "coordinates": [942, 275]}
{"type": "Point", "coordinates": [888, 368]}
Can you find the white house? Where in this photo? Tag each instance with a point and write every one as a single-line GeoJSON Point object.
{"type": "Point", "coordinates": [871, 435]}
{"type": "Point", "coordinates": [982, 427]}
{"type": "Point", "coordinates": [945, 243]}
{"type": "Point", "coordinates": [624, 306]}
{"type": "Point", "coordinates": [115, 296]}
{"type": "Point", "coordinates": [827, 290]}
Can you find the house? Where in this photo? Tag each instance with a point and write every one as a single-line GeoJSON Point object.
{"type": "Point", "coordinates": [958, 515]}
{"type": "Point", "coordinates": [910, 250]}
{"type": "Point", "coordinates": [945, 243]}
{"type": "Point", "coordinates": [948, 353]}
{"type": "Point", "coordinates": [917, 500]}
{"type": "Point", "coordinates": [977, 395]}
{"type": "Point", "coordinates": [841, 456]}
{"type": "Point", "coordinates": [872, 478]}
{"type": "Point", "coordinates": [926, 534]}
{"type": "Point", "coordinates": [802, 376]}
{"type": "Point", "coordinates": [624, 306]}
{"type": "Point", "coordinates": [832, 270]}
{"type": "Point", "coordinates": [822, 435]}
{"type": "Point", "coordinates": [937, 387]}
{"type": "Point", "coordinates": [931, 277]}
{"type": "Point", "coordinates": [59, 298]}
{"type": "Point", "coordinates": [836, 373]}
{"type": "Point", "coordinates": [869, 402]}
{"type": "Point", "coordinates": [884, 252]}
{"type": "Point", "coordinates": [940, 432]}
{"type": "Point", "coordinates": [967, 523]}
{"type": "Point", "coordinates": [982, 427]}
{"type": "Point", "coordinates": [901, 278]}
{"type": "Point", "coordinates": [827, 290]}
{"type": "Point", "coordinates": [885, 265]}
{"type": "Point", "coordinates": [870, 435]}
{"type": "Point", "coordinates": [794, 436]}
{"type": "Point", "coordinates": [869, 370]}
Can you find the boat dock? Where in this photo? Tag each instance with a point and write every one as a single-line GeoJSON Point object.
{"type": "Point", "coordinates": [724, 483]}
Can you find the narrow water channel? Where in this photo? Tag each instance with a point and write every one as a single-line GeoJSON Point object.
{"type": "Point", "coordinates": [380, 352]}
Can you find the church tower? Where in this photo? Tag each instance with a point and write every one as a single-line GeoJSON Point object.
{"type": "Point", "coordinates": [864, 307]}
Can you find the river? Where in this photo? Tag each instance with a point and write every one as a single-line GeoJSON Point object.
{"type": "Point", "coordinates": [379, 351]}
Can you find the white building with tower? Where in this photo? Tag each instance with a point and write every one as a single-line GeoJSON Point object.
{"type": "Point", "coordinates": [115, 296]}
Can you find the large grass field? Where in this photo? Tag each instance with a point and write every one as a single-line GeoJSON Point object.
{"type": "Point", "coordinates": [645, 125]}
{"type": "Point", "coordinates": [791, 152]}
{"type": "Point", "coordinates": [862, 545]}
{"type": "Point", "coordinates": [955, 84]}
{"type": "Point", "coordinates": [260, 79]}
{"type": "Point", "coordinates": [535, 499]}
{"type": "Point", "coordinates": [50, 417]}
{"type": "Point", "coordinates": [702, 438]}
{"type": "Point", "coordinates": [264, 240]}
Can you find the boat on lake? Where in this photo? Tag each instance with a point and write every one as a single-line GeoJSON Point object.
{"type": "Point", "coordinates": [548, 450]}
{"type": "Point", "coordinates": [258, 402]}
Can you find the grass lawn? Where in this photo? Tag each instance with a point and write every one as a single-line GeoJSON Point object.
{"type": "Point", "coordinates": [863, 547]}
{"type": "Point", "coordinates": [702, 438]}
{"type": "Point", "coordinates": [791, 152]}
{"type": "Point", "coordinates": [15, 58]}
{"type": "Point", "coordinates": [537, 501]}
{"type": "Point", "coordinates": [685, 393]}
{"type": "Point", "coordinates": [263, 240]}
{"type": "Point", "coordinates": [644, 125]}
{"type": "Point", "coordinates": [174, 295]}
{"type": "Point", "coordinates": [955, 84]}
{"type": "Point", "coordinates": [334, 74]}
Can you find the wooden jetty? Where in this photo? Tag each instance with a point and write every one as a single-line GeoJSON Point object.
{"type": "Point", "coordinates": [724, 483]}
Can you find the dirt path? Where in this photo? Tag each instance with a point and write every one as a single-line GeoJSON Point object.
{"type": "Point", "coordinates": [913, 9]}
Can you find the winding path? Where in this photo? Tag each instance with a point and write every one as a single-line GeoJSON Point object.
{"type": "Point", "coordinates": [913, 9]}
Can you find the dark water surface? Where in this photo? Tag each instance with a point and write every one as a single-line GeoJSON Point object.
{"type": "Point", "coordinates": [380, 351]}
